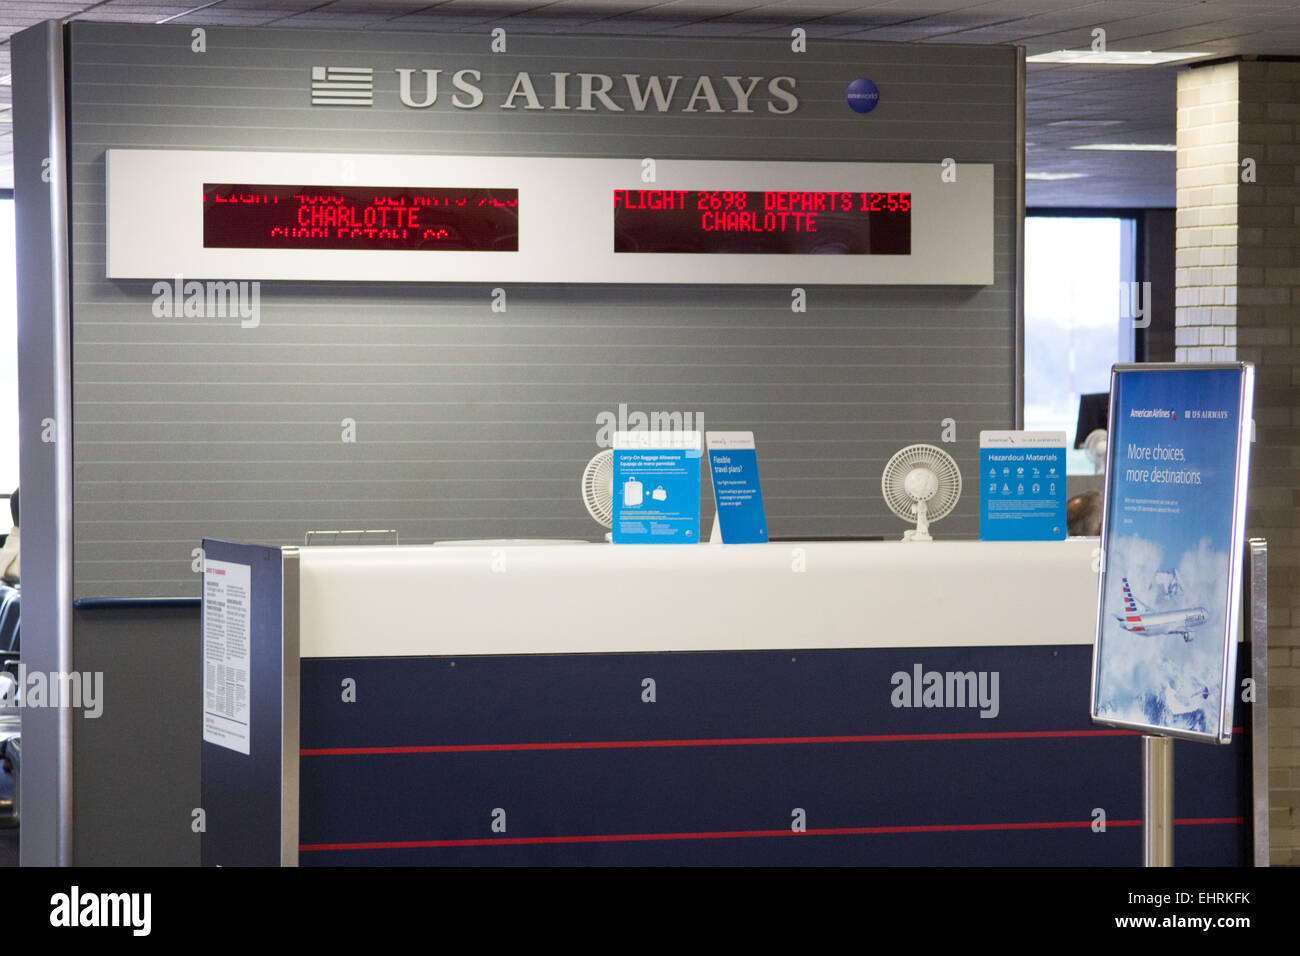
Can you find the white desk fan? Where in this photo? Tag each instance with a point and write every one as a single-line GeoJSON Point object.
{"type": "Point", "coordinates": [921, 482]}
{"type": "Point", "coordinates": [1094, 446]}
{"type": "Point", "coordinates": [598, 488]}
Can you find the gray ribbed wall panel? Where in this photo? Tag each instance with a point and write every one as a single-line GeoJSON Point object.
{"type": "Point", "coordinates": [472, 423]}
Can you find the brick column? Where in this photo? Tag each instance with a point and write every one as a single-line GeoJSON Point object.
{"type": "Point", "coordinates": [1228, 114]}
{"type": "Point", "coordinates": [1205, 315]}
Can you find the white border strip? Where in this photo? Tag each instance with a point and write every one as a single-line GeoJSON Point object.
{"type": "Point", "coordinates": [566, 220]}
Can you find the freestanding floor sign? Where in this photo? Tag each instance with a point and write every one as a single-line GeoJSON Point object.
{"type": "Point", "coordinates": [1164, 661]}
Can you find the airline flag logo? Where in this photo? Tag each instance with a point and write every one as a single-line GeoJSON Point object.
{"type": "Point", "coordinates": [342, 86]}
{"type": "Point", "coordinates": [1134, 615]}
{"type": "Point", "coordinates": [1129, 604]}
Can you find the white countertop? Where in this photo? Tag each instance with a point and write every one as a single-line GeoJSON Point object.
{"type": "Point", "coordinates": [502, 598]}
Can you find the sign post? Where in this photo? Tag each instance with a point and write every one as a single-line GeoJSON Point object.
{"type": "Point", "coordinates": [1164, 661]}
{"type": "Point", "coordinates": [1157, 800]}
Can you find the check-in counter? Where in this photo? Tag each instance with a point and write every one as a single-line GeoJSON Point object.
{"type": "Point", "coordinates": [785, 703]}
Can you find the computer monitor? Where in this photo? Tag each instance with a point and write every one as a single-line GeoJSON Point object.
{"type": "Point", "coordinates": [1094, 413]}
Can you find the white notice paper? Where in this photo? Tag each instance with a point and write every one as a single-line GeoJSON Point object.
{"type": "Point", "coordinates": [226, 717]}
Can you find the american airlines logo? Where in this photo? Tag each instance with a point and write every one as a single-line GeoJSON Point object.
{"type": "Point", "coordinates": [466, 89]}
{"type": "Point", "coordinates": [342, 86]}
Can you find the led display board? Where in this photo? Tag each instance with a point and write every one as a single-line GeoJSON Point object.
{"type": "Point", "coordinates": [227, 214]}
{"type": "Point", "coordinates": [722, 221]}
{"type": "Point", "coordinates": [243, 216]}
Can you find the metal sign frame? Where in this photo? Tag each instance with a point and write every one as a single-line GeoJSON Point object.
{"type": "Point", "coordinates": [1222, 732]}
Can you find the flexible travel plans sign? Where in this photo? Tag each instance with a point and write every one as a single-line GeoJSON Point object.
{"type": "Point", "coordinates": [737, 494]}
{"type": "Point", "coordinates": [1178, 459]}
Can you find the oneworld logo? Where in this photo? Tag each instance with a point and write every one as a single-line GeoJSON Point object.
{"type": "Point", "coordinates": [922, 688]}
{"type": "Point", "coordinates": [862, 96]}
{"type": "Point", "coordinates": [76, 908]}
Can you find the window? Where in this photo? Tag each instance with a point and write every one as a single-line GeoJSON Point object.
{"type": "Point", "coordinates": [1076, 268]}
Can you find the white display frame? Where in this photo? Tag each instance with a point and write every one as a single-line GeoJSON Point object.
{"type": "Point", "coordinates": [952, 219]}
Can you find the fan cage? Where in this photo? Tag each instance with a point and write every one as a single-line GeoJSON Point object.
{"type": "Point", "coordinates": [938, 462]}
{"type": "Point", "coordinates": [598, 488]}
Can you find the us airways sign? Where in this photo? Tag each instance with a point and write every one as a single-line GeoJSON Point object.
{"type": "Point", "coordinates": [464, 89]}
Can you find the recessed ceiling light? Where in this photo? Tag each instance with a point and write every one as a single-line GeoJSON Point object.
{"type": "Point", "coordinates": [1053, 177]}
{"type": "Point", "coordinates": [1131, 147]}
{"type": "Point", "coordinates": [1085, 122]}
{"type": "Point", "coordinates": [1112, 57]}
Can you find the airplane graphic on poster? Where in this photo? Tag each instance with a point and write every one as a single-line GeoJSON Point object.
{"type": "Point", "coordinates": [1138, 618]}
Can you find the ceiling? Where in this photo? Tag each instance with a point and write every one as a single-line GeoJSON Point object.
{"type": "Point", "coordinates": [1067, 105]}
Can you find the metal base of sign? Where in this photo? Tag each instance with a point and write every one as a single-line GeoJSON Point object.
{"type": "Point", "coordinates": [1157, 800]}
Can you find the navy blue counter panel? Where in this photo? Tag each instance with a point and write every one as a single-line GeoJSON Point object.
{"type": "Point", "coordinates": [242, 793]}
{"type": "Point", "coordinates": [564, 753]}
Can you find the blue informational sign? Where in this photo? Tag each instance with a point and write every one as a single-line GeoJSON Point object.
{"type": "Point", "coordinates": [1178, 457]}
{"type": "Point", "coordinates": [1022, 486]}
{"type": "Point", "coordinates": [737, 494]}
{"type": "Point", "coordinates": [656, 487]}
